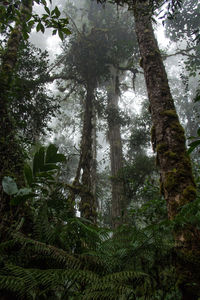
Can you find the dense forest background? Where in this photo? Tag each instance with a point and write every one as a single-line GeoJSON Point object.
{"type": "Point", "coordinates": [99, 150]}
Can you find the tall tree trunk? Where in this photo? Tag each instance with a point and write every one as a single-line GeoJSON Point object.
{"type": "Point", "coordinates": [94, 157]}
{"type": "Point", "coordinates": [87, 204]}
{"type": "Point", "coordinates": [11, 154]}
{"type": "Point", "coordinates": [118, 211]}
{"type": "Point", "coordinates": [177, 182]}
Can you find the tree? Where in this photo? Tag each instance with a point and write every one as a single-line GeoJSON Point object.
{"type": "Point", "coordinates": [140, 169]}
{"type": "Point", "coordinates": [177, 182]}
{"type": "Point", "coordinates": [11, 152]}
{"type": "Point", "coordinates": [94, 57]}
{"type": "Point", "coordinates": [122, 43]}
{"type": "Point", "coordinates": [118, 209]}
{"type": "Point", "coordinates": [31, 104]}
{"type": "Point", "coordinates": [83, 56]}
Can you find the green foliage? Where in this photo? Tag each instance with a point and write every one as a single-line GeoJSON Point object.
{"type": "Point", "coordinates": [10, 12]}
{"type": "Point", "coordinates": [44, 165]}
{"type": "Point", "coordinates": [30, 102]}
{"type": "Point", "coordinates": [52, 254]}
{"type": "Point", "coordinates": [19, 196]}
{"type": "Point", "coordinates": [65, 256]}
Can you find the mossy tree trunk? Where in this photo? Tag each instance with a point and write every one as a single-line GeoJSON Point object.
{"type": "Point", "coordinates": [118, 210]}
{"type": "Point", "coordinates": [11, 153]}
{"type": "Point", "coordinates": [177, 182]}
{"type": "Point", "coordinates": [87, 204]}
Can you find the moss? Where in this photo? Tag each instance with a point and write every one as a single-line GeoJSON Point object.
{"type": "Point", "coordinates": [189, 193]}
{"type": "Point", "coordinates": [179, 134]}
{"type": "Point", "coordinates": [177, 127]}
{"type": "Point", "coordinates": [85, 206]}
{"type": "Point", "coordinates": [161, 147]}
{"type": "Point", "coordinates": [169, 113]}
{"type": "Point", "coordinates": [170, 154]}
{"type": "Point", "coordinates": [171, 181]}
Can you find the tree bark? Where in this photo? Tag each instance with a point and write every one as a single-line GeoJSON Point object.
{"type": "Point", "coordinates": [94, 157]}
{"type": "Point", "coordinates": [177, 182]}
{"type": "Point", "coordinates": [118, 211]}
{"type": "Point", "coordinates": [87, 204]}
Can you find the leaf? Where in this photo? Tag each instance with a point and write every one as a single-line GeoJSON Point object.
{"type": "Point", "coordinates": [31, 23]}
{"type": "Point", "coordinates": [25, 35]}
{"type": "Point", "coordinates": [9, 185]}
{"type": "Point", "coordinates": [61, 36]}
{"type": "Point", "coordinates": [38, 27]}
{"type": "Point", "coordinates": [60, 157]}
{"type": "Point", "coordinates": [49, 167]}
{"type": "Point", "coordinates": [22, 195]}
{"type": "Point", "coordinates": [46, 175]}
{"type": "Point", "coordinates": [195, 143]}
{"type": "Point", "coordinates": [38, 161]}
{"type": "Point", "coordinates": [28, 174]}
{"type": "Point", "coordinates": [44, 2]}
{"type": "Point", "coordinates": [47, 10]}
{"type": "Point", "coordinates": [42, 28]}
{"type": "Point", "coordinates": [66, 31]}
{"type": "Point", "coordinates": [57, 12]}
{"type": "Point", "coordinates": [51, 154]}
{"type": "Point", "coordinates": [192, 146]}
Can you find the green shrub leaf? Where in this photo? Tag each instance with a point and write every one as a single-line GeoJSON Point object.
{"type": "Point", "coordinates": [9, 185]}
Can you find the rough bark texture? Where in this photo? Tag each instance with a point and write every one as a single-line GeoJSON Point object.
{"type": "Point", "coordinates": [87, 204]}
{"type": "Point", "coordinates": [118, 210]}
{"type": "Point", "coordinates": [177, 183]}
{"type": "Point", "coordinates": [11, 154]}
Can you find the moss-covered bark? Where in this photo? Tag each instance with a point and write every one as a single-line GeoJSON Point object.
{"type": "Point", "coordinates": [177, 182]}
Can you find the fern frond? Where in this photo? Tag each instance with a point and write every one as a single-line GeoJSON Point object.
{"type": "Point", "coordinates": [5, 246]}
{"type": "Point", "coordinates": [54, 253]}
{"type": "Point", "coordinates": [126, 276]}
{"type": "Point", "coordinates": [35, 281]}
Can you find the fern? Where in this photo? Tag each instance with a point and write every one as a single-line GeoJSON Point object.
{"type": "Point", "coordinates": [52, 252]}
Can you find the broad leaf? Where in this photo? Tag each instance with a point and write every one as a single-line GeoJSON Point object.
{"type": "Point", "coordinates": [38, 161]}
{"type": "Point", "coordinates": [49, 167]}
{"type": "Point", "coordinates": [28, 174]}
{"type": "Point", "coordinates": [193, 145]}
{"type": "Point", "coordinates": [51, 154]}
{"type": "Point", "coordinates": [60, 157]}
{"type": "Point", "coordinates": [9, 185]}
